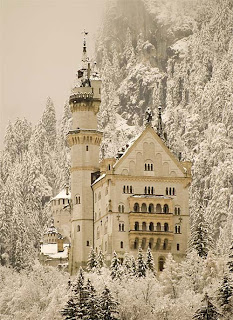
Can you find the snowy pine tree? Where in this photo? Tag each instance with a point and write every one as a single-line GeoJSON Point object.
{"type": "Point", "coordinates": [108, 306]}
{"type": "Point", "coordinates": [115, 267]}
{"type": "Point", "coordinates": [150, 261]}
{"type": "Point", "coordinates": [92, 261]}
{"type": "Point", "coordinates": [225, 296]}
{"type": "Point", "coordinates": [208, 311]}
{"type": "Point", "coordinates": [140, 264]}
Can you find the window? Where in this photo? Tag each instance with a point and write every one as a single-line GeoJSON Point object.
{"type": "Point", "coordinates": [144, 226]}
{"type": "Point", "coordinates": [119, 226]}
{"type": "Point", "coordinates": [88, 243]}
{"type": "Point", "coordinates": [124, 189]}
{"type": "Point", "coordinates": [149, 166]}
{"type": "Point", "coordinates": [165, 208]}
{"type": "Point", "coordinates": [77, 200]}
{"type": "Point", "coordinates": [63, 200]}
{"type": "Point", "coordinates": [78, 228]}
{"type": "Point", "coordinates": [131, 189]}
{"type": "Point", "coordinates": [127, 189]}
{"type": "Point", "coordinates": [177, 228]}
{"type": "Point", "coordinates": [123, 227]}
{"type": "Point", "coordinates": [170, 191]}
{"type": "Point", "coordinates": [121, 208]}
{"type": "Point", "coordinates": [158, 208]}
{"type": "Point", "coordinates": [144, 208]}
{"type": "Point", "coordinates": [99, 91]}
{"type": "Point", "coordinates": [109, 167]}
{"type": "Point", "coordinates": [136, 207]}
{"type": "Point", "coordinates": [135, 244]}
{"type": "Point", "coordinates": [86, 148]}
{"type": "Point", "coordinates": [122, 244]}
{"type": "Point", "coordinates": [151, 208]}
{"type": "Point", "coordinates": [165, 244]}
{"type": "Point", "coordinates": [166, 191]}
{"type": "Point", "coordinates": [136, 226]}
{"type": "Point", "coordinates": [166, 227]}
{"type": "Point", "coordinates": [151, 226]}
{"type": "Point", "coordinates": [145, 190]}
{"type": "Point", "coordinates": [149, 190]}
{"type": "Point", "coordinates": [178, 247]}
{"type": "Point", "coordinates": [161, 263]}
{"type": "Point", "coordinates": [158, 226]}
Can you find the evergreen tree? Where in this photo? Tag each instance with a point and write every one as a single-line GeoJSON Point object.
{"type": "Point", "coordinates": [224, 296]}
{"type": "Point", "coordinates": [108, 306]}
{"type": "Point", "coordinates": [100, 260]}
{"type": "Point", "coordinates": [207, 312]}
{"type": "Point", "coordinates": [49, 123]}
{"type": "Point", "coordinates": [115, 267]}
{"type": "Point", "coordinates": [150, 261]}
{"type": "Point", "coordinates": [93, 311]}
{"type": "Point", "coordinates": [201, 239]}
{"type": "Point", "coordinates": [127, 264]}
{"type": "Point", "coordinates": [69, 312]}
{"type": "Point", "coordinates": [92, 261]}
{"type": "Point", "coordinates": [230, 259]}
{"type": "Point", "coordinates": [140, 264]}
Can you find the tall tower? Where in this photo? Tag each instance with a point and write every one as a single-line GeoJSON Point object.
{"type": "Point", "coordinates": [84, 140]}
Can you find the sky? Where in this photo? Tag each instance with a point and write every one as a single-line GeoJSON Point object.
{"type": "Point", "coordinates": [41, 46]}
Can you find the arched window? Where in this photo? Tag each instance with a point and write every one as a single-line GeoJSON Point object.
{"type": "Point", "coordinates": [124, 189]}
{"type": "Point", "coordinates": [145, 190]}
{"type": "Point", "coordinates": [136, 243]}
{"type": "Point", "coordinates": [122, 227]}
{"type": "Point", "coordinates": [63, 201]}
{"type": "Point", "coordinates": [151, 226]}
{"type": "Point", "coordinates": [151, 167]}
{"type": "Point", "coordinates": [79, 200]}
{"type": "Point", "coordinates": [88, 243]}
{"type": "Point", "coordinates": [161, 263]}
{"type": "Point", "coordinates": [78, 228]}
{"type": "Point", "coordinates": [136, 226]}
{"type": "Point", "coordinates": [143, 243]}
{"type": "Point", "coordinates": [122, 244]}
{"type": "Point", "coordinates": [148, 190]}
{"type": "Point", "coordinates": [152, 190]}
{"type": "Point", "coordinates": [144, 226]}
{"type": "Point", "coordinates": [76, 200]}
{"type": "Point", "coordinates": [119, 208]}
{"type": "Point", "coordinates": [165, 244]}
{"type": "Point", "coordinates": [144, 208]}
{"type": "Point", "coordinates": [177, 228]}
{"type": "Point", "coordinates": [119, 226]}
{"type": "Point", "coordinates": [145, 167]}
{"type": "Point", "coordinates": [109, 167]}
{"type": "Point", "coordinates": [148, 167]}
{"type": "Point", "coordinates": [166, 191]}
{"type": "Point", "coordinates": [131, 189]}
{"type": "Point", "coordinates": [165, 208]}
{"type": "Point", "coordinates": [86, 148]}
{"type": "Point", "coordinates": [158, 226]}
{"type": "Point", "coordinates": [173, 191]}
{"type": "Point", "coordinates": [136, 207]}
{"type": "Point", "coordinates": [170, 191]}
{"type": "Point", "coordinates": [151, 208]}
{"type": "Point", "coordinates": [178, 247]}
{"type": "Point", "coordinates": [158, 208]}
{"type": "Point", "coordinates": [166, 227]}
{"type": "Point", "coordinates": [127, 189]}
{"type": "Point", "coordinates": [178, 211]}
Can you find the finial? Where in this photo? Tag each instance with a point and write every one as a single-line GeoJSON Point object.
{"type": "Point", "coordinates": [85, 33]}
{"type": "Point", "coordinates": [159, 127]}
{"type": "Point", "coordinates": [148, 116]}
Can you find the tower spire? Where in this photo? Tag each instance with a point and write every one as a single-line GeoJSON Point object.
{"type": "Point", "coordinates": [159, 126]}
{"type": "Point", "coordinates": [84, 56]}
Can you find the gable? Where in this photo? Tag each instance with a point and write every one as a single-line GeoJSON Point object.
{"type": "Point", "coordinates": [149, 156]}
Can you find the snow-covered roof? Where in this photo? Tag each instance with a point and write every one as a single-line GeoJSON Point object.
{"type": "Point", "coordinates": [51, 250]}
{"type": "Point", "coordinates": [51, 229]}
{"type": "Point", "coordinates": [62, 195]}
{"type": "Point", "coordinates": [100, 178]}
{"type": "Point", "coordinates": [150, 196]}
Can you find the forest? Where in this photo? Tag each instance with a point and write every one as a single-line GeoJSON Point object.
{"type": "Point", "coordinates": [177, 54]}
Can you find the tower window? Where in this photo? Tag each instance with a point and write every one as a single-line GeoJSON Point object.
{"type": "Point", "coordinates": [178, 247]}
{"type": "Point", "coordinates": [88, 243]}
{"type": "Point", "coordinates": [86, 148]}
{"type": "Point", "coordinates": [109, 167]}
{"type": "Point", "coordinates": [122, 244]}
{"type": "Point", "coordinates": [99, 91]}
{"type": "Point", "coordinates": [78, 228]}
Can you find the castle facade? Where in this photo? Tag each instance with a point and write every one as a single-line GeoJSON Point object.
{"type": "Point", "coordinates": [138, 199]}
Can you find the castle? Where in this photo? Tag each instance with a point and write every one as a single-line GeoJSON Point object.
{"type": "Point", "coordinates": [138, 199]}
